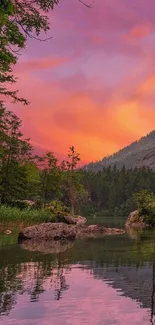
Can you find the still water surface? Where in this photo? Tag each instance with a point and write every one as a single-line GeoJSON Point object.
{"type": "Point", "coordinates": [103, 281]}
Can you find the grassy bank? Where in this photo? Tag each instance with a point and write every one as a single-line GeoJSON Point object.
{"type": "Point", "coordinates": [27, 216]}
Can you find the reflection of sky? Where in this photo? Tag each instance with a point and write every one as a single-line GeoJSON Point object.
{"type": "Point", "coordinates": [99, 69]}
{"type": "Point", "coordinates": [88, 301]}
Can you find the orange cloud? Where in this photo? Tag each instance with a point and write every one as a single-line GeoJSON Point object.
{"type": "Point", "coordinates": [58, 118]}
{"type": "Point", "coordinates": [138, 32]}
{"type": "Point", "coordinates": [38, 64]}
{"type": "Point", "coordinates": [96, 109]}
{"type": "Point", "coordinates": [147, 87]}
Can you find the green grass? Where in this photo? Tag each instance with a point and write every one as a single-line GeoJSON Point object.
{"type": "Point", "coordinates": [26, 216]}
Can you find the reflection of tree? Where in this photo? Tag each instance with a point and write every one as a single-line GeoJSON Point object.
{"type": "Point", "coordinates": [153, 288]}
{"type": "Point", "coordinates": [57, 278]}
{"type": "Point", "coordinates": [38, 285]}
{"type": "Point", "coordinates": [31, 278]}
{"type": "Point", "coordinates": [7, 301]}
{"type": "Point", "coordinates": [145, 241]}
{"type": "Point", "coordinates": [61, 281]}
{"type": "Point", "coordinates": [152, 293]}
{"type": "Point", "coordinates": [9, 285]}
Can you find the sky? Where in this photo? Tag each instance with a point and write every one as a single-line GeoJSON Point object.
{"type": "Point", "coordinates": [92, 85]}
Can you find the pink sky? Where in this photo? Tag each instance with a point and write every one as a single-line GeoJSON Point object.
{"type": "Point", "coordinates": [92, 85]}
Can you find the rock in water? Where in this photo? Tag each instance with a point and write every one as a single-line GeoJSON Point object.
{"type": "Point", "coordinates": [61, 231]}
{"type": "Point", "coordinates": [97, 231]}
{"type": "Point", "coordinates": [71, 220]}
{"type": "Point", "coordinates": [80, 220]}
{"type": "Point", "coordinates": [51, 231]}
{"type": "Point", "coordinates": [136, 221]}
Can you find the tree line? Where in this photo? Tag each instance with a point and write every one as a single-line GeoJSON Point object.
{"type": "Point", "coordinates": [111, 191]}
{"type": "Point", "coordinates": [24, 175]}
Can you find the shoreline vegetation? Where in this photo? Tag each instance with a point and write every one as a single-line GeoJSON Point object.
{"type": "Point", "coordinates": [144, 216]}
{"type": "Point", "coordinates": [29, 182]}
{"type": "Point", "coordinates": [26, 216]}
{"type": "Point", "coordinates": [36, 189]}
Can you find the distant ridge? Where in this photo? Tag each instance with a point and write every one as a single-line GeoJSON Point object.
{"type": "Point", "coordinates": [137, 154]}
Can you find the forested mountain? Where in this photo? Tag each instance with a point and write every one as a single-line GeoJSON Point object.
{"type": "Point", "coordinates": [139, 153]}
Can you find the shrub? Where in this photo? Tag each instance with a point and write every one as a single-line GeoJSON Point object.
{"type": "Point", "coordinates": [145, 202]}
{"type": "Point", "coordinates": [38, 204]}
{"type": "Point", "coordinates": [28, 216]}
{"type": "Point", "coordinates": [21, 204]}
{"type": "Point", "coordinates": [57, 205]}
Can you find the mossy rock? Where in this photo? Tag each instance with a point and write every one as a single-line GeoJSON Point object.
{"type": "Point", "coordinates": [136, 221]}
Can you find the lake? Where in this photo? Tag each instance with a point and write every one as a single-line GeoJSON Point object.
{"type": "Point", "coordinates": [103, 281]}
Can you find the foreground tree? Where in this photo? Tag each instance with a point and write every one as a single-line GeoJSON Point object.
{"type": "Point", "coordinates": [15, 152]}
{"type": "Point", "coordinates": [19, 19]}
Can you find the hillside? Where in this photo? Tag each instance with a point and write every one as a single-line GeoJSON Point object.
{"type": "Point", "coordinates": [139, 153]}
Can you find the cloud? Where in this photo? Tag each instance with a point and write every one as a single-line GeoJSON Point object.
{"type": "Point", "coordinates": [93, 85]}
{"type": "Point", "coordinates": [139, 32]}
{"type": "Point", "coordinates": [38, 64]}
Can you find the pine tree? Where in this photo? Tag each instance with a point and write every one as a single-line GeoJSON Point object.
{"type": "Point", "coordinates": [14, 153]}
{"type": "Point", "coordinates": [50, 178]}
{"type": "Point", "coordinates": [73, 183]}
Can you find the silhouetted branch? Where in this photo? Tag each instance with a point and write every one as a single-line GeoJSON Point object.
{"type": "Point", "coordinates": [32, 36]}
{"type": "Point", "coordinates": [88, 6]}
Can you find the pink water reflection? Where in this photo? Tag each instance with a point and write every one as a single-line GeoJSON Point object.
{"type": "Point", "coordinates": [87, 301]}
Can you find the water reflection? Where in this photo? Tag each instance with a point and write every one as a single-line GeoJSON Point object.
{"type": "Point", "coordinates": [106, 281]}
{"type": "Point", "coordinates": [32, 279]}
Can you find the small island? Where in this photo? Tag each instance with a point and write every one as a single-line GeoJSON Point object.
{"type": "Point", "coordinates": [66, 228]}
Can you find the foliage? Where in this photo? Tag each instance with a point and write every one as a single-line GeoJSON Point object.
{"type": "Point", "coordinates": [48, 182]}
{"type": "Point", "coordinates": [15, 152]}
{"type": "Point", "coordinates": [21, 204]}
{"type": "Point", "coordinates": [50, 178]}
{"type": "Point", "coordinates": [57, 205]}
{"type": "Point", "coordinates": [72, 178]}
{"type": "Point", "coordinates": [145, 202]}
{"type": "Point", "coordinates": [25, 176]}
{"type": "Point", "coordinates": [33, 181]}
{"type": "Point", "coordinates": [19, 19]}
{"type": "Point", "coordinates": [110, 191]}
{"type": "Point", "coordinates": [28, 216]}
{"type": "Point", "coordinates": [10, 35]}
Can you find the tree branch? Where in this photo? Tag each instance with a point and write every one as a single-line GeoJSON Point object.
{"type": "Point", "coordinates": [88, 6]}
{"type": "Point", "coordinates": [32, 36]}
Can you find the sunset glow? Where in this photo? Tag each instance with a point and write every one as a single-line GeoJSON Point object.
{"type": "Point", "coordinates": [92, 85]}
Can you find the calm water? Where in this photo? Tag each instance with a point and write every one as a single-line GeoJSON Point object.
{"type": "Point", "coordinates": [97, 281]}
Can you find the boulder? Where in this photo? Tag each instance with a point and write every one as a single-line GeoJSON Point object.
{"type": "Point", "coordinates": [136, 221]}
{"type": "Point", "coordinates": [97, 231]}
{"type": "Point", "coordinates": [80, 220]}
{"type": "Point", "coordinates": [71, 220]}
{"type": "Point", "coordinates": [48, 231]}
{"type": "Point", "coordinates": [62, 231]}
{"type": "Point", "coordinates": [47, 246]}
